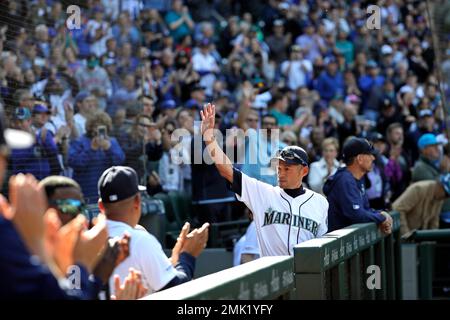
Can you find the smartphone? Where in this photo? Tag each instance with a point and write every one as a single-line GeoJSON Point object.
{"type": "Point", "coordinates": [101, 132]}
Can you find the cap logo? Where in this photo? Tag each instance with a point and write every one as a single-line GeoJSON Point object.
{"type": "Point", "coordinates": [113, 197]}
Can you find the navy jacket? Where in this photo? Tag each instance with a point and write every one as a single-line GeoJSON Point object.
{"type": "Point", "coordinates": [348, 201]}
{"type": "Point", "coordinates": [89, 164]}
{"type": "Point", "coordinates": [22, 276]}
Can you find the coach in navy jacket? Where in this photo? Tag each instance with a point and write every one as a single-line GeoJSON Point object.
{"type": "Point", "coordinates": [345, 191]}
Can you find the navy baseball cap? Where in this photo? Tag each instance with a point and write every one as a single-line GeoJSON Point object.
{"type": "Point", "coordinates": [118, 183]}
{"type": "Point", "coordinates": [192, 104]}
{"type": "Point", "coordinates": [168, 104]}
{"type": "Point", "coordinates": [293, 155]}
{"type": "Point", "coordinates": [40, 108]}
{"type": "Point", "coordinates": [81, 96]}
{"type": "Point", "coordinates": [356, 146]}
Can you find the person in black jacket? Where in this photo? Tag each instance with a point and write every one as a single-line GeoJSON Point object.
{"type": "Point", "coordinates": [345, 190]}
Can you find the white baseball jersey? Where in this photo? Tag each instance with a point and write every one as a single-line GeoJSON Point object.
{"type": "Point", "coordinates": [146, 256]}
{"type": "Point", "coordinates": [282, 221]}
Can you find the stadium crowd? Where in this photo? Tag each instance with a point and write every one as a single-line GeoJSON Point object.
{"type": "Point", "coordinates": [113, 90]}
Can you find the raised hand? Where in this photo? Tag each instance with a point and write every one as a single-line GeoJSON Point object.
{"type": "Point", "coordinates": [196, 240]}
{"type": "Point", "coordinates": [117, 250]}
{"type": "Point", "coordinates": [180, 242]}
{"type": "Point", "coordinates": [27, 208]}
{"type": "Point", "coordinates": [90, 245]}
{"type": "Point", "coordinates": [208, 115]}
{"type": "Point", "coordinates": [60, 241]}
{"type": "Point", "coordinates": [132, 287]}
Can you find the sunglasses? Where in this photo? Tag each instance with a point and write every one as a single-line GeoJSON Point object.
{"type": "Point", "coordinates": [269, 123]}
{"type": "Point", "coordinates": [252, 119]}
{"type": "Point", "coordinates": [70, 206]}
{"type": "Point", "coordinates": [290, 155]}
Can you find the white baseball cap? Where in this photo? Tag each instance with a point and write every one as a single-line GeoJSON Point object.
{"type": "Point", "coordinates": [386, 49]}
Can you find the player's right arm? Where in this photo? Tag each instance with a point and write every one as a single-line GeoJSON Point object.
{"type": "Point", "coordinates": [222, 162]}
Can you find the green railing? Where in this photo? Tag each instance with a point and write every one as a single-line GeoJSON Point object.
{"type": "Point", "coordinates": [431, 249]}
{"type": "Point", "coordinates": [335, 266]}
{"type": "Point", "coordinates": [356, 262]}
{"type": "Point", "coordinates": [267, 278]}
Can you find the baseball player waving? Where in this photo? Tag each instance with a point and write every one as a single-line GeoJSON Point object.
{"type": "Point", "coordinates": [284, 215]}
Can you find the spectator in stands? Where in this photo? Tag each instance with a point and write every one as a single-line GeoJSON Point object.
{"type": "Point", "coordinates": [120, 200]}
{"type": "Point", "coordinates": [428, 165]}
{"type": "Point", "coordinates": [327, 166]}
{"type": "Point", "coordinates": [170, 170]}
{"type": "Point", "coordinates": [142, 143]}
{"type": "Point", "coordinates": [279, 41]}
{"type": "Point", "coordinates": [41, 158]}
{"type": "Point", "coordinates": [125, 96]}
{"type": "Point", "coordinates": [311, 41]}
{"type": "Point", "coordinates": [426, 124]}
{"type": "Point", "coordinates": [95, 80]}
{"type": "Point", "coordinates": [204, 63]}
{"type": "Point", "coordinates": [90, 154]}
{"type": "Point", "coordinates": [278, 108]}
{"type": "Point", "coordinates": [331, 81]}
{"type": "Point", "coordinates": [420, 205]}
{"type": "Point", "coordinates": [377, 183]}
{"type": "Point", "coordinates": [297, 70]}
{"type": "Point", "coordinates": [371, 85]}
{"type": "Point", "coordinates": [85, 105]}
{"type": "Point", "coordinates": [346, 193]}
{"type": "Point", "coordinates": [148, 106]}
{"type": "Point", "coordinates": [179, 20]}
{"type": "Point", "coordinates": [397, 169]}
{"type": "Point", "coordinates": [185, 122]}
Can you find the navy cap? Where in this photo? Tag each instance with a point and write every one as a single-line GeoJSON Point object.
{"type": "Point", "coordinates": [293, 155]}
{"type": "Point", "coordinates": [375, 137]}
{"type": "Point", "coordinates": [118, 183]}
{"type": "Point", "coordinates": [81, 96]}
{"type": "Point", "coordinates": [40, 108]}
{"type": "Point", "coordinates": [356, 146]}
{"type": "Point", "coordinates": [205, 42]}
{"type": "Point", "coordinates": [192, 104]}
{"type": "Point", "coordinates": [168, 104]}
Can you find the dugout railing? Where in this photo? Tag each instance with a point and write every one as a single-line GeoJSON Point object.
{"type": "Point", "coordinates": [357, 262]}
{"type": "Point", "coordinates": [336, 266]}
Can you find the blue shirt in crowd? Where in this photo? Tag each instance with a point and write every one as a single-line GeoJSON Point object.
{"type": "Point", "coordinates": [89, 164]}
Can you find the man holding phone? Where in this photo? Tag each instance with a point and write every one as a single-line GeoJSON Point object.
{"type": "Point", "coordinates": [94, 152]}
